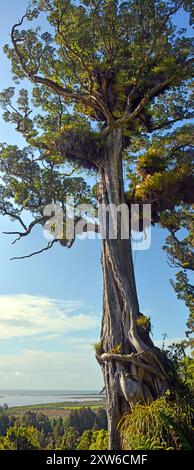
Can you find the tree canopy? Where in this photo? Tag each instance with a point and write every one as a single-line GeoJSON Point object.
{"type": "Point", "coordinates": [101, 65]}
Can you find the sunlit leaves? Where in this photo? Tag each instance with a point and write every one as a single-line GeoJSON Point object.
{"type": "Point", "coordinates": [104, 48]}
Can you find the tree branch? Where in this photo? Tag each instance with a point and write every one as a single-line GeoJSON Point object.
{"type": "Point", "coordinates": [48, 247]}
{"type": "Point", "coordinates": [27, 229]}
{"type": "Point", "coordinates": [132, 358]}
{"type": "Point", "coordinates": [171, 121]}
{"type": "Point", "coordinates": [16, 217]}
{"type": "Point", "coordinates": [84, 98]}
{"type": "Point", "coordinates": [150, 94]}
{"type": "Point", "coordinates": [172, 12]}
{"type": "Point", "coordinates": [59, 89]}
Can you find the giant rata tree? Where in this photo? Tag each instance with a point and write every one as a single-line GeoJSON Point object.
{"type": "Point", "coordinates": [112, 79]}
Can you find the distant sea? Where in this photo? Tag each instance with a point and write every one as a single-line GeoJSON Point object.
{"type": "Point", "coordinates": [36, 397]}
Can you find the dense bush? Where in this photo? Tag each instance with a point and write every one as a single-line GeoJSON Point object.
{"type": "Point", "coordinates": [70, 438]}
{"type": "Point", "coordinates": [85, 440]}
{"type": "Point", "coordinates": [93, 440]}
{"type": "Point", "coordinates": [37, 420]}
{"type": "Point", "coordinates": [85, 418]}
{"type": "Point", "coordinates": [6, 421]}
{"type": "Point", "coordinates": [20, 438]}
{"type": "Point", "coordinates": [160, 425]}
{"type": "Point", "coordinates": [99, 440]}
{"type": "Point", "coordinates": [166, 423]}
{"type": "Point", "coordinates": [101, 419]}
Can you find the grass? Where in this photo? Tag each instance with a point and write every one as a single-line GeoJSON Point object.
{"type": "Point", "coordinates": [55, 409]}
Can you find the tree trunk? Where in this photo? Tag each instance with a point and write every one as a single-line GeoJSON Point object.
{"type": "Point", "coordinates": [138, 372]}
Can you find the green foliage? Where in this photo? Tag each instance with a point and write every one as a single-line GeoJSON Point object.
{"type": "Point", "coordinates": [101, 419]}
{"type": "Point", "coordinates": [85, 418]}
{"type": "Point", "coordinates": [144, 322]}
{"type": "Point", "coordinates": [180, 249]}
{"type": "Point", "coordinates": [96, 41]}
{"type": "Point", "coordinates": [70, 438]}
{"type": "Point", "coordinates": [180, 243]}
{"type": "Point", "coordinates": [39, 421]}
{"type": "Point", "coordinates": [164, 165]}
{"type": "Point", "coordinates": [85, 440]}
{"type": "Point", "coordinates": [107, 65]}
{"type": "Point", "coordinates": [117, 349]}
{"type": "Point", "coordinates": [160, 425]}
{"type": "Point", "coordinates": [35, 430]}
{"type": "Point", "coordinates": [166, 423]}
{"type": "Point", "coordinates": [39, 185]}
{"type": "Point", "coordinates": [20, 438]}
{"type": "Point", "coordinates": [103, 58]}
{"type": "Point", "coordinates": [181, 376]}
{"type": "Point", "coordinates": [158, 182]}
{"type": "Point", "coordinates": [99, 440]}
{"type": "Point", "coordinates": [93, 440]}
{"type": "Point", "coordinates": [58, 427]}
{"type": "Point", "coordinates": [164, 177]}
{"type": "Point", "coordinates": [98, 347]}
{"type": "Point", "coordinates": [6, 421]}
{"type": "Point", "coordinates": [185, 292]}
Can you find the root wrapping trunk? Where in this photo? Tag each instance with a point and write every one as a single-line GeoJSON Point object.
{"type": "Point", "coordinates": [132, 366]}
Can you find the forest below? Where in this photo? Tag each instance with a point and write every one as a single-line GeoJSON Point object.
{"type": "Point", "coordinates": [165, 424]}
{"type": "Point", "coordinates": [84, 428]}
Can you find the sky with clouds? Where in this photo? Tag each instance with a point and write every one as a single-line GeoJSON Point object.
{"type": "Point", "coordinates": [47, 343]}
{"type": "Point", "coordinates": [50, 305]}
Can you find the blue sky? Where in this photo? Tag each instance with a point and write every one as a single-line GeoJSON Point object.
{"type": "Point", "coordinates": [50, 305]}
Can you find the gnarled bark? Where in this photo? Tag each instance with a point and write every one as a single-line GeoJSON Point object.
{"type": "Point", "coordinates": [132, 366]}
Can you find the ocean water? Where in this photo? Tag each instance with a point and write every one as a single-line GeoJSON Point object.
{"type": "Point", "coordinates": [36, 397]}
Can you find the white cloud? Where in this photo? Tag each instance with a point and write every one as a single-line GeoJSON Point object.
{"type": "Point", "coordinates": [39, 369]}
{"type": "Point", "coordinates": [26, 315]}
{"type": "Point", "coordinates": [18, 374]}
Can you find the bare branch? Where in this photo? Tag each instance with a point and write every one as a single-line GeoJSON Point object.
{"type": "Point", "coordinates": [27, 229]}
{"type": "Point", "coordinates": [21, 234]}
{"type": "Point", "coordinates": [16, 217]}
{"type": "Point", "coordinates": [48, 247]}
{"type": "Point", "coordinates": [171, 121]}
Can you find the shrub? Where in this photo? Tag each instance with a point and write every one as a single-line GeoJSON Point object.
{"type": "Point", "coordinates": [160, 425]}
{"type": "Point", "coordinates": [85, 440]}
{"type": "Point", "coordinates": [99, 440]}
{"type": "Point", "coordinates": [82, 419]}
{"type": "Point", "coordinates": [93, 440]}
{"type": "Point", "coordinates": [21, 438]}
{"type": "Point", "coordinates": [70, 438]}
